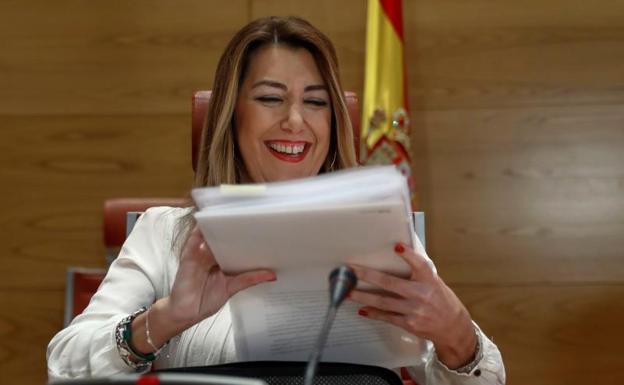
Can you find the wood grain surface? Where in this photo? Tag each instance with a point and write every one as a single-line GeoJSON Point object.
{"type": "Point", "coordinates": [85, 57]}
{"type": "Point", "coordinates": [526, 195]}
{"type": "Point", "coordinates": [552, 334]}
{"type": "Point", "coordinates": [65, 168]}
{"type": "Point", "coordinates": [517, 136]}
{"type": "Point", "coordinates": [488, 53]}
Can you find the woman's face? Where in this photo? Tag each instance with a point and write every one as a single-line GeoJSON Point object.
{"type": "Point", "coordinates": [282, 115]}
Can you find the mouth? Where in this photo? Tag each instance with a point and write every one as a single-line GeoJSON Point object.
{"type": "Point", "coordinates": [289, 151]}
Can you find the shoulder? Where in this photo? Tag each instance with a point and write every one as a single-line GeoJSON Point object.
{"type": "Point", "coordinates": [168, 211]}
{"type": "Point", "coordinates": [158, 225]}
{"type": "Point", "coordinates": [163, 217]}
{"type": "Point", "coordinates": [165, 213]}
{"type": "Point", "coordinates": [152, 248]}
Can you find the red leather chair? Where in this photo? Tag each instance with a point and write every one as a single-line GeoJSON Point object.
{"type": "Point", "coordinates": [115, 218]}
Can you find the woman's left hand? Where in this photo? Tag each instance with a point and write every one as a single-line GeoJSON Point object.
{"type": "Point", "coordinates": [422, 305]}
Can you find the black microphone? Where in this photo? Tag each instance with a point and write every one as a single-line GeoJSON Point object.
{"type": "Point", "coordinates": [341, 281]}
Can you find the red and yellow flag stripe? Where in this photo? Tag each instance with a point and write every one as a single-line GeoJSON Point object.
{"type": "Point", "coordinates": [385, 120]}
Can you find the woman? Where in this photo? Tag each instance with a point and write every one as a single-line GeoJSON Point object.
{"type": "Point", "coordinates": [277, 113]}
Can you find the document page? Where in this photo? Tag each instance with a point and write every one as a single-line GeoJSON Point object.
{"type": "Point", "coordinates": [282, 320]}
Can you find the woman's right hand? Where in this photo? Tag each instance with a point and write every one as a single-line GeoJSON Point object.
{"type": "Point", "coordinates": [200, 289]}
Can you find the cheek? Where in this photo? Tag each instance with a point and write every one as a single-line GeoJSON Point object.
{"type": "Point", "coordinates": [248, 129]}
{"type": "Point", "coordinates": [248, 145]}
{"type": "Point", "coordinates": [320, 123]}
{"type": "Point", "coordinates": [324, 131]}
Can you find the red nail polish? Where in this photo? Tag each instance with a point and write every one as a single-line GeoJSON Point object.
{"type": "Point", "coordinates": [399, 249]}
{"type": "Point", "coordinates": [362, 312]}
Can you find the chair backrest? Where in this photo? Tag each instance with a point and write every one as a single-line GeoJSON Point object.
{"type": "Point", "coordinates": [200, 108]}
{"type": "Point", "coordinates": [115, 218]}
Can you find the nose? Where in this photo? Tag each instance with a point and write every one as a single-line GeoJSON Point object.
{"type": "Point", "coordinates": [294, 121]}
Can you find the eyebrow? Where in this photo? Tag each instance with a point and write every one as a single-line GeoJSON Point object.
{"type": "Point", "coordinates": [316, 87]}
{"type": "Point", "coordinates": [282, 86]}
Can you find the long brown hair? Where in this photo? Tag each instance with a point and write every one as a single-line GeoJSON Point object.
{"type": "Point", "coordinates": [219, 160]}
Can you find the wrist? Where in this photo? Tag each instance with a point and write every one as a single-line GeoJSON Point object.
{"type": "Point", "coordinates": [163, 315]}
{"type": "Point", "coordinates": [127, 350]}
{"type": "Point", "coordinates": [163, 326]}
{"type": "Point", "coordinates": [165, 323]}
{"type": "Point", "coordinates": [460, 351]}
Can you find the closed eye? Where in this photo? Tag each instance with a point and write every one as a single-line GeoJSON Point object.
{"type": "Point", "coordinates": [316, 102]}
{"type": "Point", "coordinates": [269, 99]}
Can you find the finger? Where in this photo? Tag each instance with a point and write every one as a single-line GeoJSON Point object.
{"type": "Point", "coordinates": [421, 269]}
{"type": "Point", "coordinates": [380, 301]}
{"type": "Point", "coordinates": [382, 280]}
{"type": "Point", "coordinates": [245, 280]}
{"type": "Point", "coordinates": [194, 238]}
{"type": "Point", "coordinates": [197, 250]}
{"type": "Point", "coordinates": [206, 253]}
{"type": "Point", "coordinates": [385, 316]}
{"type": "Point", "coordinates": [193, 242]}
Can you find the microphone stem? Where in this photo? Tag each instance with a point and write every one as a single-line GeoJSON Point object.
{"type": "Point", "coordinates": [318, 348]}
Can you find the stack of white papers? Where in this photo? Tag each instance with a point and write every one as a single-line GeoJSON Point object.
{"type": "Point", "coordinates": [302, 229]}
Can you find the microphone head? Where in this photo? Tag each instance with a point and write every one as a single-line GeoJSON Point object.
{"type": "Point", "coordinates": [341, 281]}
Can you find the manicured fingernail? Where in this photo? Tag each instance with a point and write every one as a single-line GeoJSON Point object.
{"type": "Point", "coordinates": [273, 279]}
{"type": "Point", "coordinates": [399, 249]}
{"type": "Point", "coordinates": [362, 312]}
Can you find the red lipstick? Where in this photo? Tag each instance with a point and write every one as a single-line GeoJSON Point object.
{"type": "Point", "coordinates": [292, 158]}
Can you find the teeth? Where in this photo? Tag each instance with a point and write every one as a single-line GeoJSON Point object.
{"type": "Point", "coordinates": [294, 150]}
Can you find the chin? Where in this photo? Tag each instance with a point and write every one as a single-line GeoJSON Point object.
{"type": "Point", "coordinates": [290, 176]}
{"type": "Point", "coordinates": [283, 178]}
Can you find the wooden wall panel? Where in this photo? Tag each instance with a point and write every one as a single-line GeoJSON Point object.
{"type": "Point", "coordinates": [34, 317]}
{"type": "Point", "coordinates": [81, 56]}
{"type": "Point", "coordinates": [488, 53]}
{"type": "Point", "coordinates": [526, 195]}
{"type": "Point", "coordinates": [518, 147]}
{"type": "Point", "coordinates": [553, 334]}
{"type": "Point", "coordinates": [56, 172]}
{"type": "Point", "coordinates": [64, 170]}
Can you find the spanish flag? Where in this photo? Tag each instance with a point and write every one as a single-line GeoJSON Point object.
{"type": "Point", "coordinates": [385, 120]}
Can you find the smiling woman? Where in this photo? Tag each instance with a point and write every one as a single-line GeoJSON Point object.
{"type": "Point", "coordinates": [277, 112]}
{"type": "Point", "coordinates": [288, 67]}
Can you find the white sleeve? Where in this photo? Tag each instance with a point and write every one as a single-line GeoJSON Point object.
{"type": "Point", "coordinates": [136, 278]}
{"type": "Point", "coordinates": [490, 369]}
